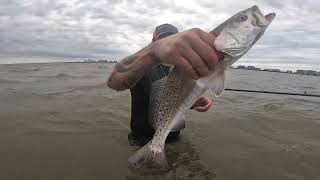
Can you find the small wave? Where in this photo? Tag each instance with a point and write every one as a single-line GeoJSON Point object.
{"type": "Point", "coordinates": [310, 101]}
{"type": "Point", "coordinates": [56, 92]}
{"type": "Point", "coordinates": [23, 70]}
{"type": "Point", "coordinates": [64, 76]}
{"type": "Point", "coordinates": [103, 67]}
{"type": "Point", "coordinates": [307, 87]}
{"type": "Point", "coordinates": [71, 90]}
{"type": "Point", "coordinates": [272, 106]}
{"type": "Point", "coordinates": [90, 87]}
{"type": "Point", "coordinates": [6, 81]}
{"type": "Point", "coordinates": [184, 162]}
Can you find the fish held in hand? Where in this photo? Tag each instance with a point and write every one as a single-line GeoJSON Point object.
{"type": "Point", "coordinates": [172, 96]}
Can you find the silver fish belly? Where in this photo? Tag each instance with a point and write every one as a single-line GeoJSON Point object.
{"type": "Point", "coordinates": [176, 93]}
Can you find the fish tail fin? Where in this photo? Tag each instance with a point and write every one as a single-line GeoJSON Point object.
{"type": "Point", "coordinates": [150, 157]}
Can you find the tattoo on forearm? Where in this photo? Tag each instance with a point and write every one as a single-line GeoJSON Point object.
{"type": "Point", "coordinates": [125, 64]}
{"type": "Point", "coordinates": [129, 71]}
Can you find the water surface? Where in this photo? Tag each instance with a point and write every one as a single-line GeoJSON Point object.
{"type": "Point", "coordinates": [59, 121]}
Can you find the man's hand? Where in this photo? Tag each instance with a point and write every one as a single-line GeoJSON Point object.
{"type": "Point", "coordinates": [203, 104]}
{"type": "Point", "coordinates": [191, 51]}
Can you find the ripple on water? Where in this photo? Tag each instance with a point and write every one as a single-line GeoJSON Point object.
{"type": "Point", "coordinates": [184, 161]}
{"type": "Point", "coordinates": [63, 76]}
{"type": "Point", "coordinates": [272, 106]}
{"type": "Point", "coordinates": [8, 81]}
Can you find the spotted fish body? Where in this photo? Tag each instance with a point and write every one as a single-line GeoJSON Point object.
{"type": "Point", "coordinates": [172, 96]}
{"type": "Point", "coordinates": [160, 109]}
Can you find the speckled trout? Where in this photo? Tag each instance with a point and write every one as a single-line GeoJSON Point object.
{"type": "Point", "coordinates": [173, 95]}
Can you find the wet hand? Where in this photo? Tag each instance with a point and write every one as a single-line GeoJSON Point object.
{"type": "Point", "coordinates": [191, 51]}
{"type": "Point", "coordinates": [203, 104]}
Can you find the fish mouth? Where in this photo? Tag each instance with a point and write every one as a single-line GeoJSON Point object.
{"type": "Point", "coordinates": [255, 9]}
{"type": "Point", "coordinates": [259, 19]}
{"type": "Point", "coordinates": [270, 16]}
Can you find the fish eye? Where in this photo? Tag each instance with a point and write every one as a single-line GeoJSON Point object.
{"type": "Point", "coordinates": [243, 17]}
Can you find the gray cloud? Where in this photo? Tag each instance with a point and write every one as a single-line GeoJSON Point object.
{"type": "Point", "coordinates": [78, 29]}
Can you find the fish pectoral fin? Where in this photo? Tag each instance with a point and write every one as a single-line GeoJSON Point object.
{"type": "Point", "coordinates": [234, 52]}
{"type": "Point", "coordinates": [216, 83]}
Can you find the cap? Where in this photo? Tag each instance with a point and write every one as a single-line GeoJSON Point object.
{"type": "Point", "coordinates": [164, 30]}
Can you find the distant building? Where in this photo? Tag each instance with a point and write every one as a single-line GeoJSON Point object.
{"type": "Point", "coordinates": [89, 61]}
{"type": "Point", "coordinates": [313, 73]}
{"type": "Point", "coordinates": [253, 68]}
{"type": "Point", "coordinates": [302, 72]}
{"type": "Point", "coordinates": [308, 72]}
{"type": "Point", "coordinates": [272, 70]}
{"type": "Point", "coordinates": [241, 67]}
{"type": "Point", "coordinates": [99, 61]}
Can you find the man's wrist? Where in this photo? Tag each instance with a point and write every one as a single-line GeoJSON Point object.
{"type": "Point", "coordinates": [152, 54]}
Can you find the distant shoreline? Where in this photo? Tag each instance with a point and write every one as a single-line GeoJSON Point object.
{"type": "Point", "coordinates": [92, 62]}
{"type": "Point", "coordinates": [299, 71]}
{"type": "Point", "coordinates": [240, 67]}
{"type": "Point", "coordinates": [251, 68]}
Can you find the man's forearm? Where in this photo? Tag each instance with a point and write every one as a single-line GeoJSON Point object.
{"type": "Point", "coordinates": [131, 69]}
{"type": "Point", "coordinates": [191, 51]}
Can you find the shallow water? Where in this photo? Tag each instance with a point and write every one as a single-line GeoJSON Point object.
{"type": "Point", "coordinates": [59, 121]}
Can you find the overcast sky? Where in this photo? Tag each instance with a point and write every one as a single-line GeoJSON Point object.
{"type": "Point", "coordinates": [64, 30]}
